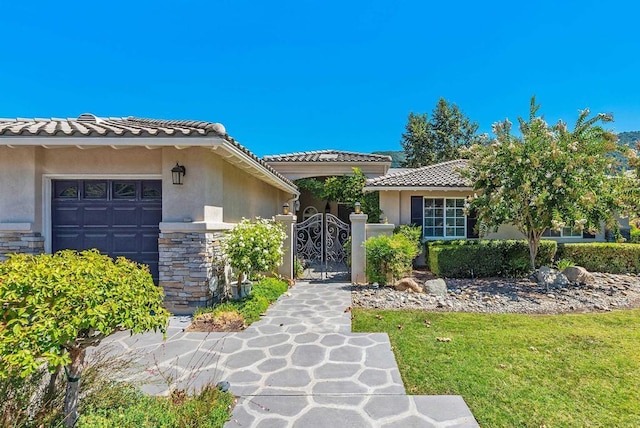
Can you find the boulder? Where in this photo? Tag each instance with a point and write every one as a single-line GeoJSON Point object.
{"type": "Point", "coordinates": [551, 278]}
{"type": "Point", "coordinates": [436, 287]}
{"type": "Point", "coordinates": [578, 275]}
{"type": "Point", "coordinates": [408, 284]}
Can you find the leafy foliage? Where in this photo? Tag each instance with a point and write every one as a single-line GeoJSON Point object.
{"type": "Point", "coordinates": [485, 258]}
{"type": "Point", "coordinates": [254, 246]}
{"type": "Point", "coordinates": [264, 292]}
{"type": "Point", "coordinates": [548, 178]}
{"type": "Point", "coordinates": [345, 189]}
{"type": "Point", "coordinates": [440, 139]}
{"type": "Point", "coordinates": [129, 407]}
{"type": "Point", "coordinates": [603, 257]}
{"type": "Point", "coordinates": [389, 256]}
{"type": "Point", "coordinates": [53, 303]}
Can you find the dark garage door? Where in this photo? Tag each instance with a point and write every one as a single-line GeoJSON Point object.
{"type": "Point", "coordinates": [118, 217]}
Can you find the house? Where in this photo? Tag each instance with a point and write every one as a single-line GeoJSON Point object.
{"type": "Point", "coordinates": [433, 197]}
{"type": "Point", "coordinates": [322, 164]}
{"type": "Point", "coordinates": [156, 191]}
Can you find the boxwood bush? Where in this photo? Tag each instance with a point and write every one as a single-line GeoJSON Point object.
{"type": "Point", "coordinates": [485, 258]}
{"type": "Point", "coordinates": [603, 257]}
{"type": "Point", "coordinates": [390, 257]}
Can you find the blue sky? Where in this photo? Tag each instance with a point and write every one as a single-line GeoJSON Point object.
{"type": "Point", "coordinates": [306, 75]}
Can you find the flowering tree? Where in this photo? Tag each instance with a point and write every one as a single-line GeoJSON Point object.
{"type": "Point", "coordinates": [254, 246]}
{"type": "Point", "coordinates": [547, 178]}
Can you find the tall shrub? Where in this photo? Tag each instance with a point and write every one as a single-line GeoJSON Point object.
{"type": "Point", "coordinates": [254, 246]}
{"type": "Point", "coordinates": [54, 306]}
{"type": "Point", "coordinates": [389, 256]}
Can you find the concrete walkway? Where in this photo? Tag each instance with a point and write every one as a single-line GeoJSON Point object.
{"type": "Point", "coordinates": [299, 366]}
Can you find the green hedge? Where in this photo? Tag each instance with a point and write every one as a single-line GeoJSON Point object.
{"type": "Point", "coordinates": [485, 258]}
{"type": "Point", "coordinates": [603, 257]}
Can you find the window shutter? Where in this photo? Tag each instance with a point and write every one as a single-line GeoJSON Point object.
{"type": "Point", "coordinates": [417, 211]}
{"type": "Point", "coordinates": [587, 235]}
{"type": "Point", "coordinates": [471, 224]}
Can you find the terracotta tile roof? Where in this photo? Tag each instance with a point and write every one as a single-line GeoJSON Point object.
{"type": "Point", "coordinates": [327, 156]}
{"type": "Point", "coordinates": [443, 174]}
{"type": "Point", "coordinates": [87, 125]}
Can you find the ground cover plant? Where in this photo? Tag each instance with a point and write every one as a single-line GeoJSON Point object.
{"type": "Point", "coordinates": [521, 370]}
{"type": "Point", "coordinates": [237, 314]}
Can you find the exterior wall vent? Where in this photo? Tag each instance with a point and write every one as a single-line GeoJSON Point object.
{"type": "Point", "coordinates": [88, 117]}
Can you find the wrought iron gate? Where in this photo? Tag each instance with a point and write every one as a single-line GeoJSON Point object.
{"type": "Point", "coordinates": [320, 246]}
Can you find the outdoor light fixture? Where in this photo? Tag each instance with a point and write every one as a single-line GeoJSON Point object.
{"type": "Point", "coordinates": [357, 207]}
{"type": "Point", "coordinates": [177, 173]}
{"type": "Point", "coordinates": [285, 208]}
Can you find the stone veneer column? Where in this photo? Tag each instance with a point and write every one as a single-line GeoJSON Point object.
{"type": "Point", "coordinates": [286, 269]}
{"type": "Point", "coordinates": [17, 238]}
{"type": "Point", "coordinates": [190, 268]}
{"type": "Point", "coordinates": [358, 259]}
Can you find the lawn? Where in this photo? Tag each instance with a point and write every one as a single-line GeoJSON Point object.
{"type": "Point", "coordinates": [521, 370]}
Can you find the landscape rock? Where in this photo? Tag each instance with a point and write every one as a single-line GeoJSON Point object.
{"type": "Point", "coordinates": [507, 295]}
{"type": "Point", "coordinates": [578, 274]}
{"type": "Point", "coordinates": [436, 287]}
{"type": "Point", "coordinates": [549, 277]}
{"type": "Point", "coordinates": [408, 284]}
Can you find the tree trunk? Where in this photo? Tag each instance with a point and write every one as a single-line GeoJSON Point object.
{"type": "Point", "coordinates": [74, 370]}
{"type": "Point", "coordinates": [534, 242]}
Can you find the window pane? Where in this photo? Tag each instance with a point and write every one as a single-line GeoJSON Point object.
{"type": "Point", "coordinates": [451, 231]}
{"type": "Point", "coordinates": [438, 221]}
{"type": "Point", "coordinates": [438, 212]}
{"type": "Point", "coordinates": [569, 232]}
{"type": "Point", "coordinates": [438, 202]}
{"type": "Point", "coordinates": [460, 231]}
{"type": "Point", "coordinates": [451, 203]}
{"type": "Point", "coordinates": [428, 203]}
{"type": "Point", "coordinates": [451, 212]}
{"type": "Point", "coordinates": [459, 212]}
{"type": "Point", "coordinates": [460, 221]}
{"type": "Point", "coordinates": [438, 231]}
{"type": "Point", "coordinates": [428, 221]}
{"type": "Point", "coordinates": [66, 189]}
{"type": "Point", "coordinates": [451, 221]}
{"type": "Point", "coordinates": [460, 203]}
{"type": "Point", "coordinates": [152, 189]}
{"type": "Point", "coordinates": [95, 190]}
{"type": "Point", "coordinates": [428, 231]}
{"type": "Point", "coordinates": [428, 212]}
{"type": "Point", "coordinates": [124, 190]}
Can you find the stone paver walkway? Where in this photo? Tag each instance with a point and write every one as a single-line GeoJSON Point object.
{"type": "Point", "coordinates": [299, 366]}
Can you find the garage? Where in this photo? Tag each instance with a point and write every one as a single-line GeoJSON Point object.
{"type": "Point", "coordinates": [117, 217]}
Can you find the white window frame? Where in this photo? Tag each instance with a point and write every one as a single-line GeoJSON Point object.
{"type": "Point", "coordinates": [444, 219]}
{"type": "Point", "coordinates": [568, 235]}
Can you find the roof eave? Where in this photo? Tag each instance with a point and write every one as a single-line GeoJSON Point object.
{"type": "Point", "coordinates": [417, 188]}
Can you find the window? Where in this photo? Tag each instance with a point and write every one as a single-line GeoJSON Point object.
{"type": "Point", "coordinates": [565, 232]}
{"type": "Point", "coordinates": [444, 218]}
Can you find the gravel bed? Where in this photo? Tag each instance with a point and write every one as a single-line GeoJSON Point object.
{"type": "Point", "coordinates": [507, 295]}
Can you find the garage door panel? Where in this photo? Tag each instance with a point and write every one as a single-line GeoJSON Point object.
{"type": "Point", "coordinates": [116, 222]}
{"type": "Point", "coordinates": [66, 215]}
{"type": "Point", "coordinates": [151, 214]}
{"type": "Point", "coordinates": [96, 216]}
{"type": "Point", "coordinates": [126, 216]}
{"type": "Point", "coordinates": [126, 242]}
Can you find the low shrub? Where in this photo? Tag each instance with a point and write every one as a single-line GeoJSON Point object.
{"type": "Point", "coordinates": [603, 257]}
{"type": "Point", "coordinates": [263, 293]}
{"type": "Point", "coordinates": [485, 258]}
{"type": "Point", "coordinates": [389, 256]}
{"type": "Point", "coordinates": [634, 234]}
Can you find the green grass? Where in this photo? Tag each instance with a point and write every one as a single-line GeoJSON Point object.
{"type": "Point", "coordinates": [263, 293]}
{"type": "Point", "coordinates": [127, 407]}
{"type": "Point", "coordinates": [521, 370]}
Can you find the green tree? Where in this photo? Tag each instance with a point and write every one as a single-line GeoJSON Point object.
{"type": "Point", "coordinates": [54, 306]}
{"type": "Point", "coordinates": [547, 178]}
{"type": "Point", "coordinates": [345, 189]}
{"type": "Point", "coordinates": [439, 139]}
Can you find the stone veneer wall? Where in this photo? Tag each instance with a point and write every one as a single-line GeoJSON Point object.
{"type": "Point", "coordinates": [190, 269]}
{"type": "Point", "coordinates": [20, 242]}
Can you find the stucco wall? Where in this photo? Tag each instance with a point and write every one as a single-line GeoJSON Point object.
{"type": "Point", "coordinates": [17, 185]}
{"type": "Point", "coordinates": [397, 207]}
{"type": "Point", "coordinates": [246, 196]}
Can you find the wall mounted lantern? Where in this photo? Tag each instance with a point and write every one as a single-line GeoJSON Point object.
{"type": "Point", "coordinates": [357, 208]}
{"type": "Point", "coordinates": [177, 173]}
{"type": "Point", "coordinates": [285, 208]}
